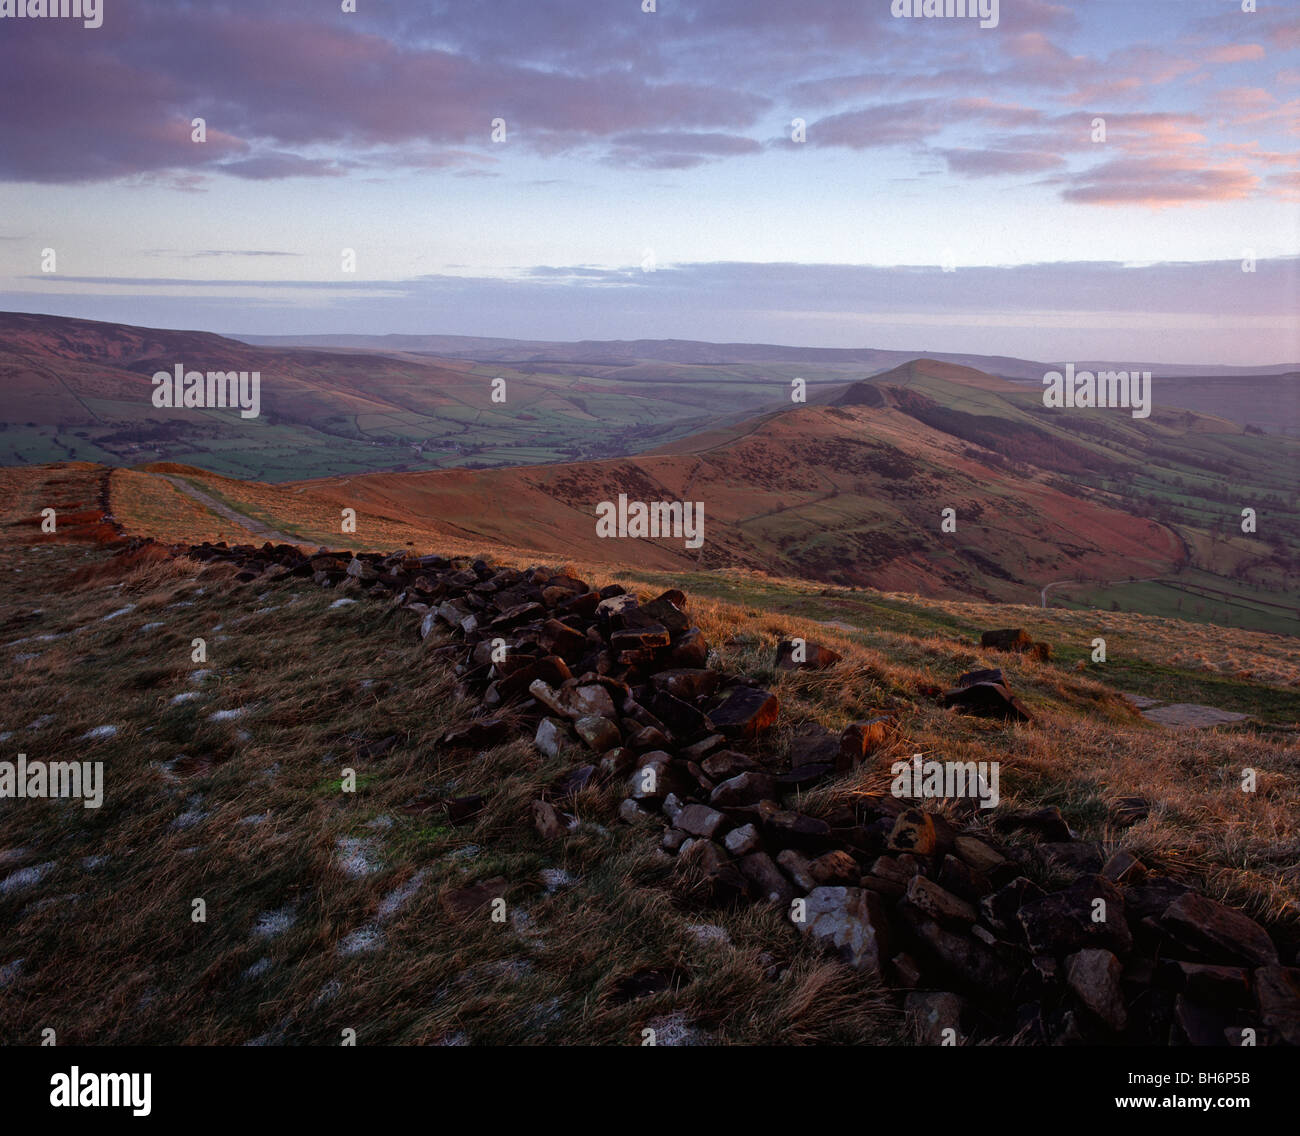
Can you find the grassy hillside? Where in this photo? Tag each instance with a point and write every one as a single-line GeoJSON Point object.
{"type": "Point", "coordinates": [330, 910]}
{"type": "Point", "coordinates": [1081, 508]}
{"type": "Point", "coordinates": [81, 390]}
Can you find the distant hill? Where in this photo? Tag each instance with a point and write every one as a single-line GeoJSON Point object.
{"type": "Point", "coordinates": [81, 390]}
{"type": "Point", "coordinates": [852, 491]}
{"type": "Point", "coordinates": [703, 353]}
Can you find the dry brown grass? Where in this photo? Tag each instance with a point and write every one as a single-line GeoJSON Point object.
{"type": "Point", "coordinates": [110, 955]}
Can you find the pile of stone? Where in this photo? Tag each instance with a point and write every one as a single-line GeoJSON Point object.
{"type": "Point", "coordinates": [950, 920]}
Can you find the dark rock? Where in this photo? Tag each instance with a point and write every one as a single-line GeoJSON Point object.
{"type": "Point", "coordinates": [1047, 823]}
{"type": "Point", "coordinates": [741, 841]}
{"type": "Point", "coordinates": [859, 740]}
{"type": "Point", "coordinates": [1124, 868]}
{"type": "Point", "coordinates": [687, 683]}
{"type": "Point", "coordinates": [599, 733]}
{"type": "Point", "coordinates": [834, 868]}
{"type": "Point", "coordinates": [697, 751]}
{"type": "Point", "coordinates": [960, 879]}
{"type": "Point", "coordinates": [1218, 932]}
{"type": "Point", "coordinates": [683, 720]}
{"type": "Point", "coordinates": [1197, 1025]}
{"type": "Point", "coordinates": [745, 712]}
{"type": "Point", "coordinates": [479, 734]}
{"type": "Point", "coordinates": [519, 613]}
{"type": "Point", "coordinates": [1277, 992]}
{"type": "Point", "coordinates": [913, 831]}
{"type": "Point", "coordinates": [805, 775]}
{"type": "Point", "coordinates": [630, 639]}
{"type": "Point", "coordinates": [1150, 899]}
{"type": "Point", "coordinates": [972, 962]}
{"type": "Point", "coordinates": [1093, 974]}
{"type": "Point", "coordinates": [464, 901]}
{"type": "Point", "coordinates": [616, 763]}
{"type": "Point", "coordinates": [746, 788]}
{"type": "Point", "coordinates": [1203, 982]}
{"type": "Point", "coordinates": [1130, 810]}
{"type": "Point", "coordinates": [852, 922]}
{"type": "Point", "coordinates": [462, 809]}
{"type": "Point", "coordinates": [1075, 856]}
{"type": "Point", "coordinates": [768, 884]}
{"type": "Point", "coordinates": [979, 855]}
{"type": "Point", "coordinates": [546, 821]}
{"type": "Point", "coordinates": [988, 700]}
{"type": "Point", "coordinates": [690, 651]}
{"type": "Point", "coordinates": [790, 829]}
{"type": "Point", "coordinates": [1012, 639]}
{"type": "Point", "coordinates": [575, 781]}
{"type": "Point", "coordinates": [551, 669]}
{"type": "Point", "coordinates": [559, 639]}
{"type": "Point", "coordinates": [933, 902]}
{"type": "Point", "coordinates": [801, 654]}
{"type": "Point", "coordinates": [725, 764]}
{"type": "Point", "coordinates": [1070, 920]}
{"type": "Point", "coordinates": [972, 677]}
{"type": "Point", "coordinates": [905, 970]}
{"type": "Point", "coordinates": [935, 1017]}
{"type": "Point", "coordinates": [668, 612]}
{"type": "Point", "coordinates": [699, 820]}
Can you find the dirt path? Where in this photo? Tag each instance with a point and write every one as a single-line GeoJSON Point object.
{"type": "Point", "coordinates": [254, 526]}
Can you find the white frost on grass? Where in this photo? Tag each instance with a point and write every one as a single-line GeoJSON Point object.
{"type": "Point", "coordinates": [555, 878]}
{"type": "Point", "coordinates": [356, 857]}
{"type": "Point", "coordinates": [272, 923]}
{"type": "Point", "coordinates": [395, 900]}
{"type": "Point", "coordinates": [259, 968]}
{"type": "Point", "coordinates": [227, 715]}
{"type": "Point", "coordinates": [674, 1029]}
{"type": "Point", "coordinates": [26, 877]}
{"type": "Point", "coordinates": [709, 933]}
{"type": "Point", "coordinates": [363, 940]}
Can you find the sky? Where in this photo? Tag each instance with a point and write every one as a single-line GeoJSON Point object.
{"type": "Point", "coordinates": [1082, 180]}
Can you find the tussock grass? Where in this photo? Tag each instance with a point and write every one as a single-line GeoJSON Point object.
{"type": "Point", "coordinates": [299, 877]}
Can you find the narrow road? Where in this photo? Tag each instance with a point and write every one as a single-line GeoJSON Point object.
{"type": "Point", "coordinates": [254, 526]}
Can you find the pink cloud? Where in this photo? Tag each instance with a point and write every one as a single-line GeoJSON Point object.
{"type": "Point", "coordinates": [1158, 183]}
{"type": "Point", "coordinates": [1235, 53]}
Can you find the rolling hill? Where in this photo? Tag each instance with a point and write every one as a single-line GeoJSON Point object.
{"type": "Point", "coordinates": [80, 390]}
{"type": "Point", "coordinates": [851, 492]}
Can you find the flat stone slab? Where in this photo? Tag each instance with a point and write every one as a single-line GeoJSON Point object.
{"type": "Point", "coordinates": [1190, 716]}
